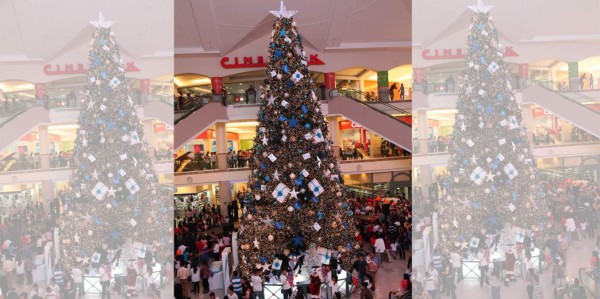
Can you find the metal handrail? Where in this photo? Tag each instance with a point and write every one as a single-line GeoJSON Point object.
{"type": "Point", "coordinates": [584, 273]}
{"type": "Point", "coordinates": [557, 89]}
{"type": "Point", "coordinates": [197, 104]}
{"type": "Point", "coordinates": [331, 94]}
{"type": "Point", "coordinates": [385, 103]}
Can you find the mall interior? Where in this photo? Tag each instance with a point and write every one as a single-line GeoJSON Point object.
{"type": "Point", "coordinates": [201, 122]}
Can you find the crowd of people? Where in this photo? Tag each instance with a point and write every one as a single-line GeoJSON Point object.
{"type": "Point", "coordinates": [384, 234]}
{"type": "Point", "coordinates": [239, 159]}
{"type": "Point", "coordinates": [575, 215]}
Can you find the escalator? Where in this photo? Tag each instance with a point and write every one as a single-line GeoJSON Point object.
{"type": "Point", "coordinates": [201, 119]}
{"type": "Point", "coordinates": [387, 107]}
{"type": "Point", "coordinates": [574, 106]}
{"type": "Point", "coordinates": [22, 124]}
{"type": "Point", "coordinates": [587, 281]}
{"type": "Point", "coordinates": [395, 129]}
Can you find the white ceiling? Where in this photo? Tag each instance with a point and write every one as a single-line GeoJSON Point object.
{"type": "Point", "coordinates": [205, 26]}
{"type": "Point", "coordinates": [520, 21]}
{"type": "Point", "coordinates": [41, 30]}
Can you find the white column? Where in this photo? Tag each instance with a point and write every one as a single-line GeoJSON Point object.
{"type": "Point", "coordinates": [47, 194]}
{"type": "Point", "coordinates": [423, 132]}
{"type": "Point", "coordinates": [43, 139]}
{"type": "Point", "coordinates": [528, 121]}
{"type": "Point", "coordinates": [221, 139]}
{"type": "Point", "coordinates": [426, 178]}
{"type": "Point", "coordinates": [361, 85]}
{"type": "Point", "coordinates": [334, 135]}
{"type": "Point", "coordinates": [224, 196]}
{"type": "Point", "coordinates": [150, 136]}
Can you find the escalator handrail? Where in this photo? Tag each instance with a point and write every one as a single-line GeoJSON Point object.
{"type": "Point", "coordinates": [387, 104]}
{"type": "Point", "coordinates": [570, 100]}
{"type": "Point", "coordinates": [583, 271]}
{"type": "Point", "coordinates": [17, 111]}
{"type": "Point", "coordinates": [378, 110]}
{"type": "Point", "coordinates": [556, 85]}
{"type": "Point", "coordinates": [188, 113]}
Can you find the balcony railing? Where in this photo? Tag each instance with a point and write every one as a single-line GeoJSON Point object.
{"type": "Point", "coordinates": [437, 147]}
{"type": "Point", "coordinates": [11, 109]}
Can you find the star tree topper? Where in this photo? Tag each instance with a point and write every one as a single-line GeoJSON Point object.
{"type": "Point", "coordinates": [102, 22]}
{"type": "Point", "coordinates": [480, 7]}
{"type": "Point", "coordinates": [283, 12]}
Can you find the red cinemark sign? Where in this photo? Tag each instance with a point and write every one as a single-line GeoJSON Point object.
{"type": "Point", "coordinates": [429, 54]}
{"type": "Point", "coordinates": [258, 61]}
{"type": "Point", "coordinates": [348, 125]}
{"type": "Point", "coordinates": [70, 69]}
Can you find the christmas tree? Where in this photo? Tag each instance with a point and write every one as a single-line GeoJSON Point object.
{"type": "Point", "coordinates": [114, 196]}
{"type": "Point", "coordinates": [492, 175]}
{"type": "Point", "coordinates": [297, 198]}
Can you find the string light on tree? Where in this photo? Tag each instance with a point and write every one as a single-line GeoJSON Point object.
{"type": "Point", "coordinates": [295, 178]}
{"type": "Point", "coordinates": [113, 192]}
{"type": "Point", "coordinates": [491, 169]}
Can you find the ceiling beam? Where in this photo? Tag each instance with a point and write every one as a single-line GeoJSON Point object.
{"type": "Point", "coordinates": [340, 14]}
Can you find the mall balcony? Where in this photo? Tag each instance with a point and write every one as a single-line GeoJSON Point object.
{"type": "Point", "coordinates": [574, 104]}
{"type": "Point", "coordinates": [19, 116]}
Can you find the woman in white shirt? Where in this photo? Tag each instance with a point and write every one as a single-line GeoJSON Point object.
{"type": "Point", "coordinates": [20, 270]}
{"type": "Point", "coordinates": [379, 248]}
{"type": "Point", "coordinates": [196, 278]}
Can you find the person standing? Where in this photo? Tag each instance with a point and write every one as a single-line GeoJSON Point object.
{"type": "Point", "coordinates": [196, 278]}
{"type": "Point", "coordinates": [365, 292]}
{"type": "Point", "coordinates": [509, 266]}
{"type": "Point", "coordinates": [582, 80]}
{"type": "Point", "coordinates": [392, 89]}
{"type": "Point", "coordinates": [379, 249]}
{"type": "Point", "coordinates": [495, 283]}
{"type": "Point", "coordinates": [484, 265]}
{"type": "Point", "coordinates": [105, 277]}
{"type": "Point", "coordinates": [402, 95]}
{"type": "Point", "coordinates": [9, 268]}
{"type": "Point", "coordinates": [430, 285]}
{"type": "Point", "coordinates": [204, 275]}
{"type": "Point", "coordinates": [224, 96]}
{"type": "Point", "coordinates": [236, 283]}
{"type": "Point", "coordinates": [449, 280]}
{"type": "Point", "coordinates": [250, 95]}
{"type": "Point", "coordinates": [456, 261]}
{"type": "Point", "coordinates": [530, 282]}
{"type": "Point", "coordinates": [257, 285]}
{"type": "Point", "coordinates": [182, 274]}
{"type": "Point", "coordinates": [286, 287]}
{"type": "Point", "coordinates": [315, 284]}
{"type": "Point", "coordinates": [361, 267]}
{"type": "Point", "coordinates": [20, 271]}
{"type": "Point", "coordinates": [538, 290]}
{"type": "Point", "coordinates": [78, 280]}
{"type": "Point", "coordinates": [591, 84]}
{"type": "Point", "coordinates": [231, 294]}
{"type": "Point", "coordinates": [578, 291]}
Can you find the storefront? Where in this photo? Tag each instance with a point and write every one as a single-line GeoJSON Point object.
{"type": "Point", "coordinates": [206, 142]}
{"type": "Point", "coordinates": [384, 184]}
{"type": "Point", "coordinates": [17, 197]}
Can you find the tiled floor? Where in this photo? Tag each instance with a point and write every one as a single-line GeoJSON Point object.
{"type": "Point", "coordinates": [387, 279]}
{"type": "Point", "coordinates": [578, 256]}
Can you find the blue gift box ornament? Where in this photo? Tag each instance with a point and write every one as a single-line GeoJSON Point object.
{"type": "Point", "coordinates": [278, 225]}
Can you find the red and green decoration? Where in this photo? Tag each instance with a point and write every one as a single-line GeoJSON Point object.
{"type": "Point", "coordinates": [297, 197]}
